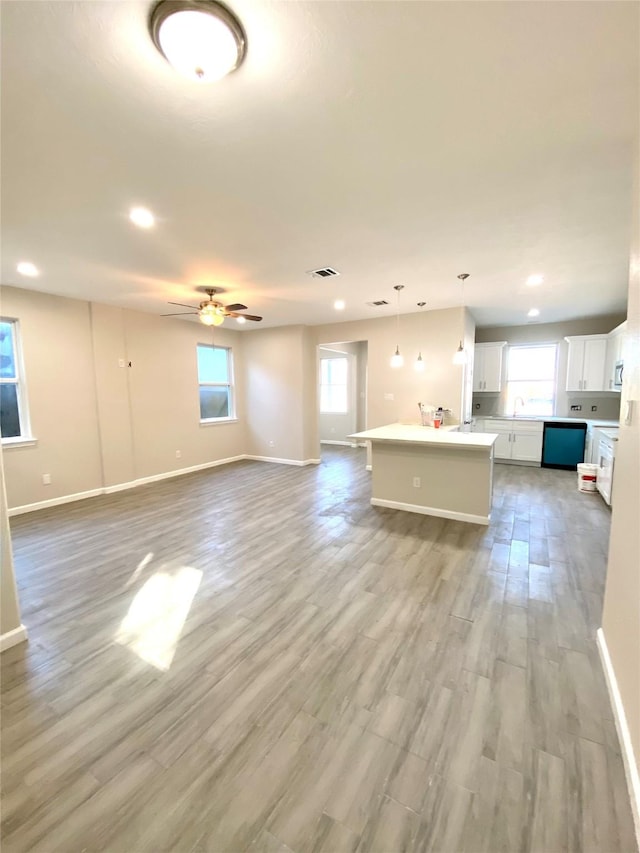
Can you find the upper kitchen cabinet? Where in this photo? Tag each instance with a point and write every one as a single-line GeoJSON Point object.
{"type": "Point", "coordinates": [487, 366]}
{"type": "Point", "coordinates": [615, 340]}
{"type": "Point", "coordinates": [585, 368]}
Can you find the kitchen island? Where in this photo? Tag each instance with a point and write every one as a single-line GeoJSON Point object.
{"type": "Point", "coordinates": [431, 471]}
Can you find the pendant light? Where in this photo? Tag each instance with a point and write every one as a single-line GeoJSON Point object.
{"type": "Point", "coordinates": [419, 362]}
{"type": "Point", "coordinates": [460, 356]}
{"type": "Point", "coordinates": [396, 359]}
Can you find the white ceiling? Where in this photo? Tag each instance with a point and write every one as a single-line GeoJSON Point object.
{"type": "Point", "coordinates": [400, 142]}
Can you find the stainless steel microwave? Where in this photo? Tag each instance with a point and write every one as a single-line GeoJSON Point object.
{"type": "Point", "coordinates": [617, 376]}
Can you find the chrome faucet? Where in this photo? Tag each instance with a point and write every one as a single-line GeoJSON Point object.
{"type": "Point", "coordinates": [515, 405]}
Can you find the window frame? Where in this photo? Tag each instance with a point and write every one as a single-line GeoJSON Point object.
{"type": "Point", "coordinates": [553, 380]}
{"type": "Point", "coordinates": [338, 357]}
{"type": "Point", "coordinates": [229, 385]}
{"type": "Point", "coordinates": [19, 380]}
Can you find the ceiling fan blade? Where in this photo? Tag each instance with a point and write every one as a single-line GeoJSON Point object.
{"type": "Point", "coordinates": [182, 314]}
{"type": "Point", "coordinates": [182, 305]}
{"type": "Point", "coordinates": [250, 317]}
{"type": "Point", "coordinates": [235, 307]}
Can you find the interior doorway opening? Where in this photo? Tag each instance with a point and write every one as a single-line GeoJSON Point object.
{"type": "Point", "coordinates": [342, 391]}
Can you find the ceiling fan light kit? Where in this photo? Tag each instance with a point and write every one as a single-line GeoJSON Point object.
{"type": "Point", "coordinates": [213, 313]}
{"type": "Point", "coordinates": [202, 39]}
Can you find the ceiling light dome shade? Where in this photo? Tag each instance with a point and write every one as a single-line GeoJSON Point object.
{"type": "Point", "coordinates": [202, 39]}
{"type": "Point", "coordinates": [211, 315]}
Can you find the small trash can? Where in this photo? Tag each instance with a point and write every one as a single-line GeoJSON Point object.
{"type": "Point", "coordinates": [587, 477]}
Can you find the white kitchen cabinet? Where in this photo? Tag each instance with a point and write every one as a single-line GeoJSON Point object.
{"type": "Point", "coordinates": [518, 441]}
{"type": "Point", "coordinates": [615, 340]}
{"type": "Point", "coordinates": [487, 366]}
{"type": "Point", "coordinates": [586, 363]}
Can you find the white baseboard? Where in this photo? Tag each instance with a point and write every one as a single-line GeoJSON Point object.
{"type": "Point", "coordinates": [341, 443]}
{"type": "Point", "coordinates": [628, 757]}
{"type": "Point", "coordinates": [430, 510]}
{"type": "Point", "coordinates": [12, 638]}
{"type": "Point", "coordinates": [132, 484]}
{"type": "Point", "coordinates": [167, 475]}
{"type": "Point", "coordinates": [63, 499]}
{"type": "Point", "coordinates": [299, 462]}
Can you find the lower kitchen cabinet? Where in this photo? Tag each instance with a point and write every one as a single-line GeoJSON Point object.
{"type": "Point", "coordinates": [518, 441]}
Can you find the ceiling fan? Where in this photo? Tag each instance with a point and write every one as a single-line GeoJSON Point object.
{"type": "Point", "coordinates": [211, 312]}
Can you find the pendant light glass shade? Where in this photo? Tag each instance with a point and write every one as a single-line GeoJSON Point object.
{"type": "Point", "coordinates": [419, 363]}
{"type": "Point", "coordinates": [460, 356]}
{"type": "Point", "coordinates": [396, 359]}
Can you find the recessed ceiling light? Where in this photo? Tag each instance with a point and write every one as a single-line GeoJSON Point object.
{"type": "Point", "coordinates": [533, 312]}
{"type": "Point", "coordinates": [534, 279]}
{"type": "Point", "coordinates": [28, 269]}
{"type": "Point", "coordinates": [241, 320]}
{"type": "Point", "coordinates": [202, 39]}
{"type": "Point", "coordinates": [142, 217]}
{"type": "Point", "coordinates": [339, 304]}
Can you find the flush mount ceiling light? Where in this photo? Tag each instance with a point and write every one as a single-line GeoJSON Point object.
{"type": "Point", "coordinates": [460, 356]}
{"type": "Point", "coordinates": [533, 312]}
{"type": "Point", "coordinates": [535, 279]}
{"type": "Point", "coordinates": [396, 359]}
{"type": "Point", "coordinates": [142, 217]}
{"type": "Point", "coordinates": [28, 269]}
{"type": "Point", "coordinates": [339, 304]}
{"type": "Point", "coordinates": [202, 39]}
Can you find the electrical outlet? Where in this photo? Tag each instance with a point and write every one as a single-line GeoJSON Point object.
{"type": "Point", "coordinates": [121, 362]}
{"type": "Point", "coordinates": [576, 408]}
{"type": "Point", "coordinates": [388, 396]}
{"type": "Point", "coordinates": [46, 479]}
{"type": "Point", "coordinates": [272, 444]}
{"type": "Point", "coordinates": [594, 408]}
{"type": "Point", "coordinates": [416, 482]}
{"type": "Point", "coordinates": [178, 454]}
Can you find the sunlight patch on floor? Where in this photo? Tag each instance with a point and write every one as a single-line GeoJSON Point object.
{"type": "Point", "coordinates": [157, 614]}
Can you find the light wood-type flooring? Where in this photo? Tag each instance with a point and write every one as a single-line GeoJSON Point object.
{"type": "Point", "coordinates": [253, 658]}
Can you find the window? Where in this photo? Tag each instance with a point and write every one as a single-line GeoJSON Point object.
{"type": "Point", "coordinates": [14, 422]}
{"type": "Point", "coordinates": [333, 385]}
{"type": "Point", "coordinates": [531, 380]}
{"type": "Point", "coordinates": [215, 380]}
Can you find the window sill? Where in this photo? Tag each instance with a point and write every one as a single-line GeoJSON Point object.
{"type": "Point", "coordinates": [218, 421]}
{"type": "Point", "coordinates": [21, 441]}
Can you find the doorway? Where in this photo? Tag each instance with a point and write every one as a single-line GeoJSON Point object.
{"type": "Point", "coordinates": [342, 386]}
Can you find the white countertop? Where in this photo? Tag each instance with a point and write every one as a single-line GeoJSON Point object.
{"type": "Point", "coordinates": [416, 434]}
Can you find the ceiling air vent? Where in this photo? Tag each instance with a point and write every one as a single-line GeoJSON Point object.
{"type": "Point", "coordinates": [325, 272]}
{"type": "Point", "coordinates": [378, 303]}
